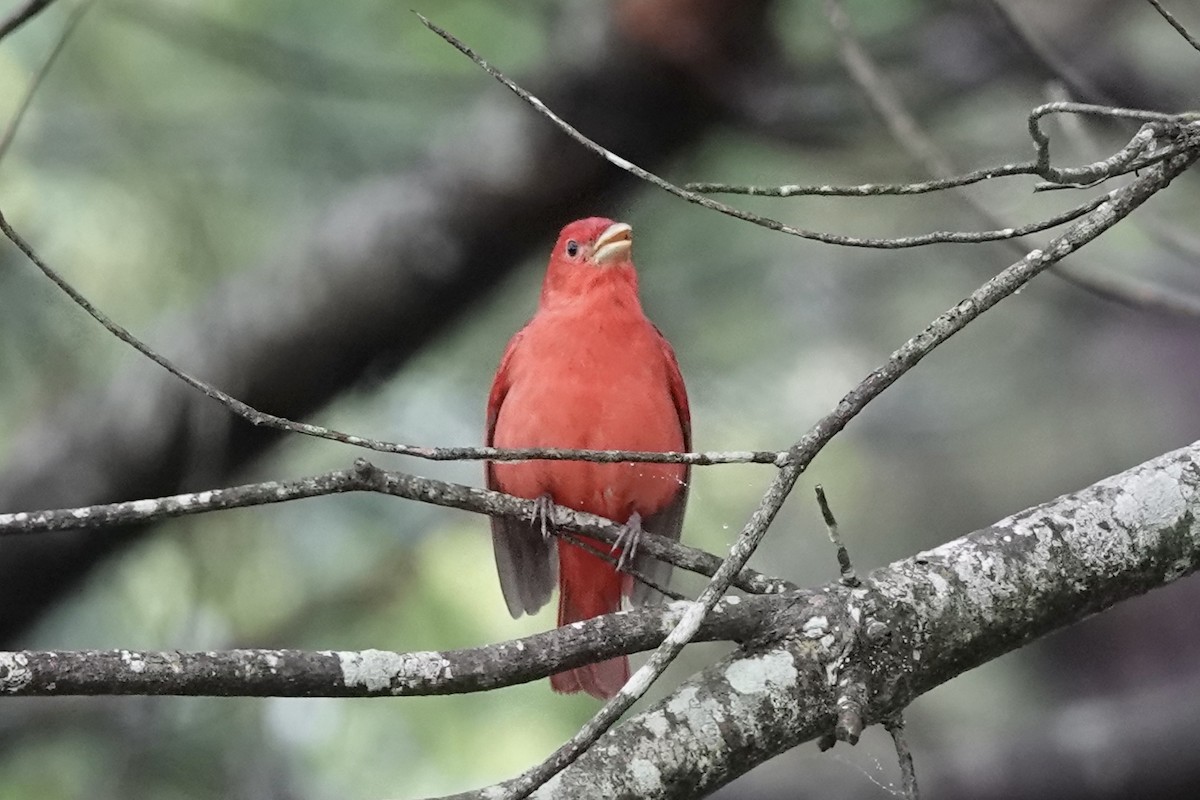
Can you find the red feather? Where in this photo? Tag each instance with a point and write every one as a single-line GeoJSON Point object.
{"type": "Point", "coordinates": [588, 371]}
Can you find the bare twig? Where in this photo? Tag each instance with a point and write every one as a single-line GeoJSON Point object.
{"type": "Point", "coordinates": [1128, 160]}
{"type": "Point", "coordinates": [867, 189]}
{"type": "Point", "coordinates": [10, 131]}
{"type": "Point", "coordinates": [1162, 124]}
{"type": "Point", "coordinates": [260, 418]}
{"type": "Point", "coordinates": [895, 243]}
{"type": "Point", "coordinates": [366, 477]}
{"type": "Point", "coordinates": [1176, 24]}
{"type": "Point", "coordinates": [849, 576]}
{"type": "Point", "coordinates": [22, 15]}
{"type": "Point", "coordinates": [908, 771]}
{"type": "Point", "coordinates": [621, 564]}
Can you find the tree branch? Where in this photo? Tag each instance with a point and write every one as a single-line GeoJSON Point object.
{"type": "Point", "coordinates": [366, 477]}
{"type": "Point", "coordinates": [1176, 24]}
{"type": "Point", "coordinates": [14, 122]}
{"type": "Point", "coordinates": [21, 15]}
{"type": "Point", "coordinates": [367, 673]}
{"type": "Point", "coordinates": [1140, 150]}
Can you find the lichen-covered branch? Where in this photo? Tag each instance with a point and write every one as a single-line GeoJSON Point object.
{"type": "Point", "coordinates": [366, 673]}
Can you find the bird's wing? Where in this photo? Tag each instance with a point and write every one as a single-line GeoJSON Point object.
{"type": "Point", "coordinates": [525, 559]}
{"type": "Point", "coordinates": [669, 521]}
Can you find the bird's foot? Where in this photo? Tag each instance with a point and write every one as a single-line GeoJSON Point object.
{"type": "Point", "coordinates": [543, 512]}
{"type": "Point", "coordinates": [627, 541]}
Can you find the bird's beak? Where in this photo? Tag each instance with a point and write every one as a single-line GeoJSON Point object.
{"type": "Point", "coordinates": [613, 245]}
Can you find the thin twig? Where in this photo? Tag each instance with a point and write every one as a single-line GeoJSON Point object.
{"type": "Point", "coordinates": [1176, 24]}
{"type": "Point", "coordinates": [625, 567]}
{"type": "Point", "coordinates": [1112, 167]}
{"type": "Point", "coordinates": [894, 243]}
{"type": "Point", "coordinates": [22, 15]}
{"type": "Point", "coordinates": [908, 770]}
{"type": "Point", "coordinates": [849, 576]}
{"type": "Point", "coordinates": [1042, 141]}
{"type": "Point", "coordinates": [1159, 230]}
{"type": "Point", "coordinates": [68, 28]}
{"type": "Point", "coordinates": [366, 477]}
{"type": "Point", "coordinates": [867, 189]}
{"type": "Point", "coordinates": [260, 418]}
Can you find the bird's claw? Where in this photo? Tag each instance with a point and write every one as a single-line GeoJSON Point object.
{"type": "Point", "coordinates": [542, 513]}
{"type": "Point", "coordinates": [627, 541]}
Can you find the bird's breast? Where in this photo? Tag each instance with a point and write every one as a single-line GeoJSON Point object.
{"type": "Point", "coordinates": [591, 385]}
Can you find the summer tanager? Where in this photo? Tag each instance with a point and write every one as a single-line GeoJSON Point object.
{"type": "Point", "coordinates": [589, 371]}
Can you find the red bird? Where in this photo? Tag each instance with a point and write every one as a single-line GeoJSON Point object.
{"type": "Point", "coordinates": [589, 371]}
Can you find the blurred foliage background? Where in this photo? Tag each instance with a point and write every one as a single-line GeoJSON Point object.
{"type": "Point", "coordinates": [176, 146]}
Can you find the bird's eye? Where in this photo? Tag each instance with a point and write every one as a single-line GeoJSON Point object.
{"type": "Point", "coordinates": [572, 248]}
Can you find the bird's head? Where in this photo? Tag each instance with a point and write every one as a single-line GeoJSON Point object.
{"type": "Point", "coordinates": [594, 242]}
{"type": "Point", "coordinates": [590, 252]}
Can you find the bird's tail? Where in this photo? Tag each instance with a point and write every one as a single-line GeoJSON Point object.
{"type": "Point", "coordinates": [576, 603]}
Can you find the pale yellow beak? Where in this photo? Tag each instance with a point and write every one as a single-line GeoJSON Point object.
{"type": "Point", "coordinates": [613, 245]}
